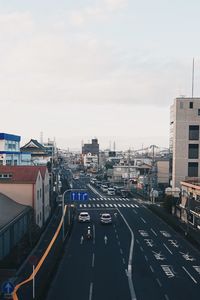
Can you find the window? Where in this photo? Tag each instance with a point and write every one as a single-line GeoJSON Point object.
{"type": "Point", "coordinates": [193, 132]}
{"type": "Point", "coordinates": [193, 151]}
{"type": "Point", "coordinates": [192, 169]}
{"type": "Point", "coordinates": [38, 194]}
{"type": "Point", "coordinates": [191, 105]}
{"type": "Point", "coordinates": [181, 105]}
{"type": "Point", "coordinates": [198, 111]}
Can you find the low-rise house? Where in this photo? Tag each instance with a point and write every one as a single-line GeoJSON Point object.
{"type": "Point", "coordinates": [39, 154]}
{"type": "Point", "coordinates": [188, 208]}
{"type": "Point", "coordinates": [14, 223]}
{"type": "Point", "coordinates": [28, 185]}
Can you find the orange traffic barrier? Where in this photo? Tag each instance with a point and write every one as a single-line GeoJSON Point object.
{"type": "Point", "coordinates": [41, 260]}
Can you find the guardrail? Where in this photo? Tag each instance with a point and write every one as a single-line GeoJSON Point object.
{"type": "Point", "coordinates": [40, 263]}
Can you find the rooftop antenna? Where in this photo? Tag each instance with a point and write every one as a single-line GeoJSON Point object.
{"type": "Point", "coordinates": [192, 77]}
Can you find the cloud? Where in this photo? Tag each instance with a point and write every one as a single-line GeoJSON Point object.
{"type": "Point", "coordinates": [99, 12]}
{"type": "Point", "coordinates": [15, 23]}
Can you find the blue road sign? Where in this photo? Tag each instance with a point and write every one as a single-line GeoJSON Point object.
{"type": "Point", "coordinates": [78, 196]}
{"type": "Point", "coordinates": [7, 287]}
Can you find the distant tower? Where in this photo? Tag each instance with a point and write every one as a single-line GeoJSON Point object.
{"type": "Point", "coordinates": [41, 137]}
{"type": "Point", "coordinates": [114, 146]}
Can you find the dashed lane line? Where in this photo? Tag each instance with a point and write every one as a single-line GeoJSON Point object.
{"type": "Point", "coordinates": [159, 283]}
{"type": "Point", "coordinates": [167, 248]}
{"type": "Point", "coordinates": [189, 274]}
{"type": "Point", "coordinates": [152, 270]}
{"type": "Point", "coordinates": [154, 232]}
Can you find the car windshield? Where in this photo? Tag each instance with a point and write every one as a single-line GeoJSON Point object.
{"type": "Point", "coordinates": [106, 216]}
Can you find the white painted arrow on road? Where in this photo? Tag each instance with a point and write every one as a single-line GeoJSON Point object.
{"type": "Point", "coordinates": [105, 239]}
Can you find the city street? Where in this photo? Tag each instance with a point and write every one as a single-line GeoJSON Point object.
{"type": "Point", "coordinates": [164, 265]}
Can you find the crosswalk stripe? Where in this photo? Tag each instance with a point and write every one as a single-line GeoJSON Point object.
{"type": "Point", "coordinates": [106, 205]}
{"type": "Point", "coordinates": [132, 205]}
{"type": "Point", "coordinates": [108, 198]}
{"type": "Point", "coordinates": [104, 198]}
{"type": "Point", "coordinates": [101, 198]}
{"type": "Point", "coordinates": [80, 205]}
{"type": "Point", "coordinates": [98, 205]}
{"type": "Point", "coordinates": [93, 205]}
{"type": "Point", "coordinates": [90, 199]}
{"type": "Point", "coordinates": [102, 205]}
{"type": "Point", "coordinates": [94, 199]}
{"type": "Point", "coordinates": [98, 199]}
{"type": "Point", "coordinates": [89, 205]}
{"type": "Point", "coordinates": [136, 205]}
{"type": "Point", "coordinates": [111, 205]}
{"type": "Point", "coordinates": [123, 205]}
{"type": "Point", "coordinates": [84, 205]}
{"type": "Point", "coordinates": [115, 205]}
{"type": "Point", "coordinates": [127, 205]}
{"type": "Point", "coordinates": [119, 205]}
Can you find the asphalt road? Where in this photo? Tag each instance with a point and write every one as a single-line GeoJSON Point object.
{"type": "Point", "coordinates": [164, 265]}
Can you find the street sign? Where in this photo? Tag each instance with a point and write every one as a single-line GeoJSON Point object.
{"type": "Point", "coordinates": [7, 288]}
{"type": "Point", "coordinates": [78, 196]}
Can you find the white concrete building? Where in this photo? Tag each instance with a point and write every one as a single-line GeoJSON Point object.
{"type": "Point", "coordinates": [184, 139]}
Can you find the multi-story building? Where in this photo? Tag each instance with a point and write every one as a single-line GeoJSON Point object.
{"type": "Point", "coordinates": [184, 139]}
{"type": "Point", "coordinates": [10, 153]}
{"type": "Point", "coordinates": [92, 148]}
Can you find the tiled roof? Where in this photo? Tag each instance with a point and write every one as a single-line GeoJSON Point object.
{"type": "Point", "coordinates": [19, 174]}
{"type": "Point", "coordinates": [9, 210]}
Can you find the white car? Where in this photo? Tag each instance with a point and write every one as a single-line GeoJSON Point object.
{"type": "Point", "coordinates": [106, 218]}
{"type": "Point", "coordinates": [104, 188]}
{"type": "Point", "coordinates": [111, 191]}
{"type": "Point", "coordinates": [84, 217]}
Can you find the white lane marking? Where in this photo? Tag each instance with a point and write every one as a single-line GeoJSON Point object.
{"type": "Point", "coordinates": [121, 251]}
{"type": "Point", "coordinates": [102, 205]}
{"type": "Point", "coordinates": [141, 248]}
{"type": "Point", "coordinates": [120, 199]}
{"type": "Point", "coordinates": [101, 199]}
{"type": "Point", "coordinates": [93, 234]}
{"type": "Point", "coordinates": [84, 205]}
{"type": "Point", "coordinates": [154, 232]}
{"type": "Point", "coordinates": [104, 198]}
{"type": "Point", "coordinates": [197, 268]}
{"type": "Point", "coordinates": [136, 205]}
{"type": "Point", "coordinates": [82, 238]}
{"type": "Point", "coordinates": [117, 236]}
{"type": "Point", "coordinates": [165, 233]}
{"type": "Point", "coordinates": [108, 198]}
{"type": "Point", "coordinates": [106, 205]}
{"type": "Point", "coordinates": [127, 199]}
{"type": "Point", "coordinates": [137, 241]}
{"type": "Point", "coordinates": [135, 211]}
{"type": "Point", "coordinates": [80, 205]}
{"type": "Point", "coordinates": [94, 199]}
{"type": "Point", "coordinates": [143, 220]}
{"type": "Point", "coordinates": [91, 289]}
{"type": "Point", "coordinates": [146, 258]}
{"type": "Point", "coordinates": [98, 205]}
{"type": "Point", "coordinates": [111, 205]}
{"type": "Point", "coordinates": [90, 199]}
{"type": "Point", "coordinates": [89, 205]}
{"type": "Point", "coordinates": [97, 199]}
{"type": "Point", "coordinates": [169, 272]}
{"type": "Point", "coordinates": [152, 270]}
{"type": "Point", "coordinates": [189, 274]}
{"type": "Point", "coordinates": [166, 297]}
{"type": "Point", "coordinates": [132, 205]}
{"type": "Point", "coordinates": [123, 205]}
{"type": "Point", "coordinates": [116, 199]}
{"type": "Point", "coordinates": [105, 239]}
{"type": "Point", "coordinates": [167, 248]}
{"type": "Point", "coordinates": [93, 260]}
{"type": "Point", "coordinates": [123, 261]}
{"type": "Point", "coordinates": [119, 243]}
{"type": "Point", "coordinates": [129, 271]}
{"type": "Point", "coordinates": [119, 205]}
{"type": "Point", "coordinates": [115, 205]}
{"type": "Point", "coordinates": [127, 205]}
{"type": "Point", "coordinates": [158, 281]}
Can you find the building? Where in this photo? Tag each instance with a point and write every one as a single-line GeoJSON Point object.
{"type": "Point", "coordinates": [90, 162]}
{"type": "Point", "coordinates": [92, 148]}
{"type": "Point", "coordinates": [188, 208]}
{"type": "Point", "coordinates": [14, 224]}
{"type": "Point", "coordinates": [184, 140]}
{"type": "Point", "coordinates": [28, 185]}
{"type": "Point", "coordinates": [10, 153]}
{"type": "Point", "coordinates": [39, 154]}
{"type": "Point", "coordinates": [162, 173]}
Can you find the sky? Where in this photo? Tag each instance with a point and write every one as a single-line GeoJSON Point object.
{"type": "Point", "coordinates": [110, 69]}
